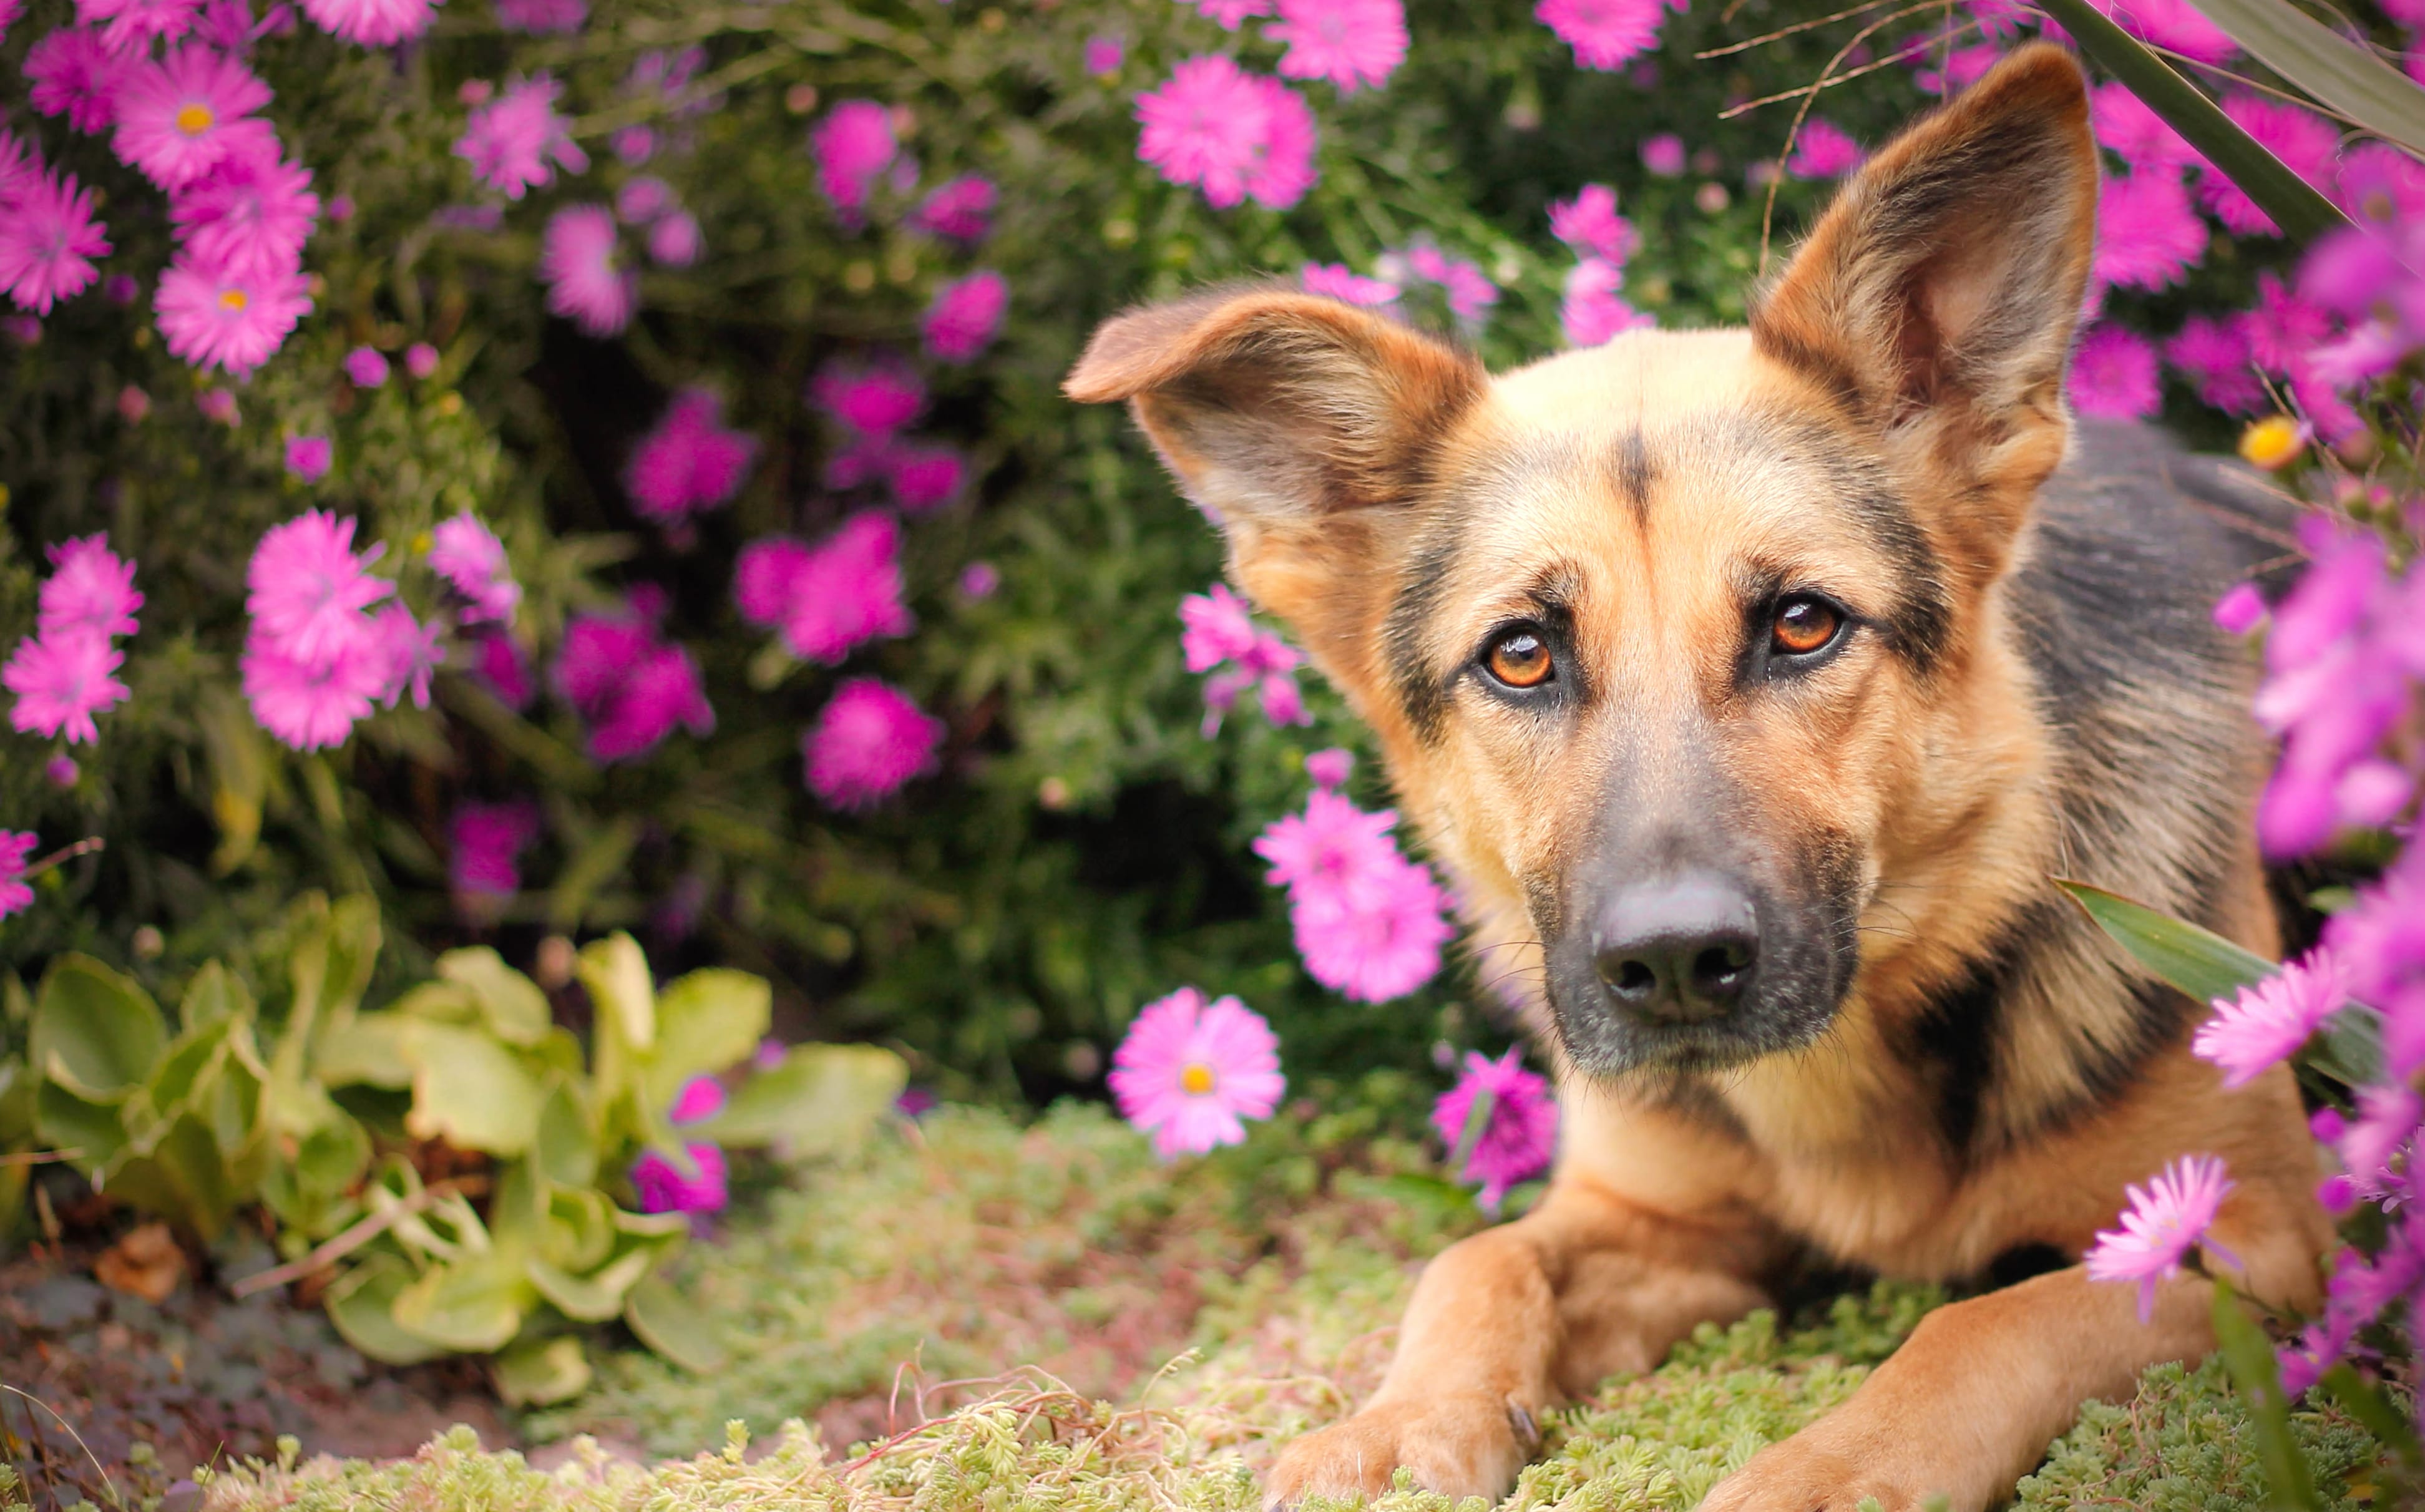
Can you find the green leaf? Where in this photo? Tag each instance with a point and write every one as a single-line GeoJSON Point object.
{"type": "Point", "coordinates": [353, 955]}
{"type": "Point", "coordinates": [620, 989]}
{"type": "Point", "coordinates": [666, 1322]}
{"type": "Point", "coordinates": [214, 993]}
{"type": "Point", "coordinates": [367, 1052]}
{"type": "Point", "coordinates": [511, 1003]}
{"type": "Point", "coordinates": [564, 1146]}
{"type": "Point", "coordinates": [441, 1000]}
{"type": "Point", "coordinates": [473, 1305]}
{"type": "Point", "coordinates": [2248, 1354]}
{"type": "Point", "coordinates": [471, 1091]}
{"type": "Point", "coordinates": [180, 1177]}
{"type": "Point", "coordinates": [578, 1233]}
{"type": "Point", "coordinates": [539, 1373]}
{"type": "Point", "coordinates": [2197, 961]}
{"type": "Point", "coordinates": [706, 1021]}
{"type": "Point", "coordinates": [817, 1101]}
{"type": "Point", "coordinates": [95, 1033]}
{"type": "Point", "coordinates": [2302, 213]}
{"type": "Point", "coordinates": [361, 1304]}
{"type": "Point", "coordinates": [66, 1121]}
{"type": "Point", "coordinates": [597, 1297]}
{"type": "Point", "coordinates": [2346, 78]}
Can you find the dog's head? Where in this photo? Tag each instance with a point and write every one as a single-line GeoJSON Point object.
{"type": "Point", "coordinates": [1676, 647]}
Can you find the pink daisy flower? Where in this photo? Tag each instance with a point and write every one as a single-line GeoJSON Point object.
{"type": "Point", "coordinates": [2126, 125]}
{"type": "Point", "coordinates": [852, 145]}
{"type": "Point", "coordinates": [1232, 14]}
{"type": "Point", "coordinates": [1215, 628]}
{"type": "Point", "coordinates": [1350, 42]}
{"type": "Point", "coordinates": [499, 666]}
{"type": "Point", "coordinates": [2379, 184]}
{"type": "Point", "coordinates": [664, 1187]}
{"type": "Point", "coordinates": [1605, 33]}
{"type": "Point", "coordinates": [924, 478]}
{"type": "Point", "coordinates": [250, 213]}
{"type": "Point", "coordinates": [365, 367]}
{"type": "Point", "coordinates": [48, 241]}
{"type": "Point", "coordinates": [1190, 1072]}
{"type": "Point", "coordinates": [1205, 126]}
{"type": "Point", "coordinates": [180, 117]}
{"type": "Point", "coordinates": [1822, 150]}
{"type": "Point", "coordinates": [421, 359]}
{"type": "Point", "coordinates": [541, 18]}
{"type": "Point", "coordinates": [2114, 374]}
{"type": "Point", "coordinates": [372, 23]}
{"type": "Point", "coordinates": [1589, 223]}
{"type": "Point", "coordinates": [1280, 170]}
{"type": "Point", "coordinates": [1520, 1132]}
{"type": "Point", "coordinates": [962, 210]}
{"type": "Point", "coordinates": [1663, 155]}
{"type": "Point", "coordinates": [870, 738]}
{"type": "Point", "coordinates": [767, 577]}
{"type": "Point", "coordinates": [1471, 292]}
{"type": "Point", "coordinates": [1104, 54]}
{"type": "Point", "coordinates": [702, 1096]}
{"type": "Point", "coordinates": [2147, 235]}
{"type": "Point", "coordinates": [307, 588]}
{"type": "Point", "coordinates": [690, 462]}
{"type": "Point", "coordinates": [966, 316]}
{"type": "Point", "coordinates": [2264, 1023]}
{"type": "Point", "coordinates": [227, 317]}
{"type": "Point", "coordinates": [91, 589]}
{"type": "Point", "coordinates": [875, 400]}
{"type": "Point", "coordinates": [1963, 67]}
{"type": "Point", "coordinates": [15, 845]}
{"type": "Point", "coordinates": [2161, 1222]}
{"type": "Point", "coordinates": [61, 681]}
{"type": "Point", "coordinates": [129, 26]}
{"type": "Point", "coordinates": [583, 268]}
{"type": "Point", "coordinates": [484, 842]}
{"type": "Point", "coordinates": [644, 199]}
{"type": "Point", "coordinates": [1336, 280]}
{"type": "Point", "coordinates": [675, 240]}
{"type": "Point", "coordinates": [472, 559]}
{"type": "Point", "coordinates": [633, 687]}
{"type": "Point", "coordinates": [1377, 939]}
{"type": "Point", "coordinates": [308, 456]}
{"type": "Point", "coordinates": [517, 142]}
{"type": "Point", "coordinates": [829, 598]}
{"type": "Point", "coordinates": [1594, 312]}
{"type": "Point", "coordinates": [1332, 846]}
{"type": "Point", "coordinates": [2283, 328]}
{"type": "Point", "coordinates": [1331, 767]}
{"type": "Point", "coordinates": [2306, 144]}
{"type": "Point", "coordinates": [411, 654]}
{"type": "Point", "coordinates": [72, 73]}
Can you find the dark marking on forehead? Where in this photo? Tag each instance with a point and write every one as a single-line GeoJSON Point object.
{"type": "Point", "coordinates": [1633, 473]}
{"type": "Point", "coordinates": [1421, 589]}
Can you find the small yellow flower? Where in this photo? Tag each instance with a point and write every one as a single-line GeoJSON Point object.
{"type": "Point", "coordinates": [2273, 442]}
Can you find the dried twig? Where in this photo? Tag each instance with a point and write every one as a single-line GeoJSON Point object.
{"type": "Point", "coordinates": [39, 1157]}
{"type": "Point", "coordinates": [361, 1233]}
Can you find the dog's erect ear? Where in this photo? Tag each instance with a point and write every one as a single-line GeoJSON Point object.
{"type": "Point", "coordinates": [1276, 408]}
{"type": "Point", "coordinates": [1941, 288]}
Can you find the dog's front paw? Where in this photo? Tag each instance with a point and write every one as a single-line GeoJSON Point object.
{"type": "Point", "coordinates": [1458, 1445]}
{"type": "Point", "coordinates": [1798, 1476]}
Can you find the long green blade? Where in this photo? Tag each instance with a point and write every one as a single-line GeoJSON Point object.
{"type": "Point", "coordinates": [2345, 76]}
{"type": "Point", "coordinates": [2302, 213]}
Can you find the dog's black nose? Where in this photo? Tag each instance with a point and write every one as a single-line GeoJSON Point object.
{"type": "Point", "coordinates": [1681, 951]}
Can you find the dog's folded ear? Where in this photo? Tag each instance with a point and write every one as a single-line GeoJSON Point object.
{"type": "Point", "coordinates": [1942, 287]}
{"type": "Point", "coordinates": [1276, 408]}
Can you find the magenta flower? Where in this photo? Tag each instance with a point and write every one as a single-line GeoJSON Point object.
{"type": "Point", "coordinates": [306, 705]}
{"type": "Point", "coordinates": [1822, 150]}
{"type": "Point", "coordinates": [1215, 628]}
{"type": "Point", "coordinates": [2114, 374]}
{"type": "Point", "coordinates": [1377, 939]}
{"type": "Point", "coordinates": [1205, 126]}
{"type": "Point", "coordinates": [498, 663]}
{"type": "Point", "coordinates": [308, 456]}
{"type": "Point", "coordinates": [1663, 156]}
{"type": "Point", "coordinates": [1470, 293]}
{"type": "Point", "coordinates": [1594, 312]}
{"type": "Point", "coordinates": [1963, 68]}
{"type": "Point", "coordinates": [421, 359]}
{"type": "Point", "coordinates": [2214, 356]}
{"type": "Point", "coordinates": [690, 462]}
{"type": "Point", "coordinates": [1350, 42]}
{"type": "Point", "coordinates": [675, 240]}
{"type": "Point", "coordinates": [1336, 280]}
{"type": "Point", "coordinates": [633, 687]}
{"type": "Point", "coordinates": [228, 318]}
{"type": "Point", "coordinates": [1331, 847]}
{"type": "Point", "coordinates": [2162, 1223]}
{"type": "Point", "coordinates": [472, 559]}
{"type": "Point", "coordinates": [1589, 223]}
{"type": "Point", "coordinates": [366, 367]}
{"type": "Point", "coordinates": [644, 199]}
{"type": "Point", "coordinates": [587, 282]}
{"type": "Point", "coordinates": [1521, 1132]}
{"type": "Point", "coordinates": [61, 681]}
{"type": "Point", "coordinates": [2124, 125]}
{"type": "Point", "coordinates": [372, 23]}
{"type": "Point", "coordinates": [924, 478]}
{"type": "Point", "coordinates": [409, 654]}
{"type": "Point", "coordinates": [2147, 235]}
{"type": "Point", "coordinates": [2263, 1023]}
{"type": "Point", "coordinates": [870, 738]}
{"type": "Point", "coordinates": [960, 210]}
{"type": "Point", "coordinates": [664, 1187]}
{"type": "Point", "coordinates": [966, 316]}
{"type": "Point", "coordinates": [2176, 25]}
{"type": "Point", "coordinates": [71, 73]}
{"type": "Point", "coordinates": [852, 145]}
{"type": "Point", "coordinates": [485, 841]}
{"type": "Point", "coordinates": [702, 1098]}
{"type": "Point", "coordinates": [542, 17]}
{"type": "Point", "coordinates": [1232, 14]}
{"type": "Point", "coordinates": [1190, 1072]}
{"type": "Point", "coordinates": [1104, 55]}
{"type": "Point", "coordinates": [89, 590]}
{"type": "Point", "coordinates": [517, 142]}
{"type": "Point", "coordinates": [2240, 609]}
{"type": "Point", "coordinates": [307, 588]}
{"type": "Point", "coordinates": [1329, 768]}
{"type": "Point", "coordinates": [1280, 169]}
{"type": "Point", "coordinates": [179, 118]}
{"type": "Point", "coordinates": [980, 580]}
{"type": "Point", "coordinates": [2306, 143]}
{"type": "Point", "coordinates": [875, 400]}
{"type": "Point", "coordinates": [1605, 33]}
{"type": "Point", "coordinates": [15, 845]}
{"type": "Point", "coordinates": [48, 240]}
{"type": "Point", "coordinates": [252, 212]}
{"type": "Point", "coordinates": [829, 598]}
{"type": "Point", "coordinates": [134, 26]}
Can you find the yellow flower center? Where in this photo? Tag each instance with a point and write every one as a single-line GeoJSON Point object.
{"type": "Point", "coordinates": [195, 118]}
{"type": "Point", "coordinates": [1195, 1078]}
{"type": "Point", "coordinates": [2272, 442]}
{"type": "Point", "coordinates": [232, 299]}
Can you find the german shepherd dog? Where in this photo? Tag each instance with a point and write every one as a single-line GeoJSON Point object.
{"type": "Point", "coordinates": [1754, 684]}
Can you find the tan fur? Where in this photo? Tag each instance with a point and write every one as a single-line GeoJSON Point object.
{"type": "Point", "coordinates": [1918, 338]}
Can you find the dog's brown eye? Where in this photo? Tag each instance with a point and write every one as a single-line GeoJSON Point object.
{"type": "Point", "coordinates": [1521, 659]}
{"type": "Point", "coordinates": [1803, 625]}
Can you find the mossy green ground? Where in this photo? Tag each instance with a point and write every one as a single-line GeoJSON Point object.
{"type": "Point", "coordinates": [972, 1315]}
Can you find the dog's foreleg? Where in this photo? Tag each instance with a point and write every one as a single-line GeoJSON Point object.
{"type": "Point", "coordinates": [1506, 1323]}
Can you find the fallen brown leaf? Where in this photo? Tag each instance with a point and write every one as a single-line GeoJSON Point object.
{"type": "Point", "coordinates": [146, 1263]}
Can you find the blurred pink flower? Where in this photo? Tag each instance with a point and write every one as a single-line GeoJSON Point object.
{"type": "Point", "coordinates": [411, 655]}
{"type": "Point", "coordinates": [1594, 312]}
{"type": "Point", "coordinates": [372, 23]}
{"type": "Point", "coordinates": [1215, 627]}
{"type": "Point", "coordinates": [924, 478]}
{"type": "Point", "coordinates": [643, 199]}
{"type": "Point", "coordinates": [1589, 223]}
{"type": "Point", "coordinates": [1963, 67]}
{"type": "Point", "coordinates": [472, 559]}
{"type": "Point", "coordinates": [1822, 150]}
{"type": "Point", "coordinates": [61, 681]}
{"type": "Point", "coordinates": [1189, 1072]}
{"type": "Point", "coordinates": [179, 117]}
{"type": "Point", "coordinates": [1280, 168]}
{"type": "Point", "coordinates": [700, 1097]}
{"type": "Point", "coordinates": [1471, 292]}
{"type": "Point", "coordinates": [48, 240]}
{"type": "Point", "coordinates": [228, 318]}
{"type": "Point", "coordinates": [1230, 14]}
{"type": "Point", "coordinates": [1521, 1134]}
{"type": "Point", "coordinates": [675, 240]}
{"type": "Point", "coordinates": [980, 580]}
{"type": "Point", "coordinates": [966, 316]}
{"type": "Point", "coordinates": [517, 142]}
{"type": "Point", "coordinates": [542, 17]}
{"type": "Point", "coordinates": [484, 842]}
{"type": "Point", "coordinates": [875, 400]}
{"type": "Point", "coordinates": [1105, 53]}
{"type": "Point", "coordinates": [1336, 280]}
{"type": "Point", "coordinates": [366, 367]}
{"type": "Point", "coordinates": [1333, 844]}
{"type": "Point", "coordinates": [853, 144]}
{"type": "Point", "coordinates": [1329, 768]}
{"type": "Point", "coordinates": [1204, 126]}
{"type": "Point", "coordinates": [2306, 144]}
{"type": "Point", "coordinates": [1376, 940]}
{"type": "Point", "coordinates": [829, 598]}
{"type": "Point", "coordinates": [2161, 1222]}
{"type": "Point", "coordinates": [2240, 609]}
{"type": "Point", "coordinates": [497, 660]}
{"type": "Point", "coordinates": [2174, 24]}
{"type": "Point", "coordinates": [869, 739]}
{"type": "Point", "coordinates": [961, 209]}
{"type": "Point", "coordinates": [2259, 1027]}
{"type": "Point", "coordinates": [308, 456]}
{"type": "Point", "coordinates": [2147, 235]}
{"type": "Point", "coordinates": [252, 212]}
{"type": "Point", "coordinates": [421, 359]}
{"type": "Point", "coordinates": [133, 26]}
{"type": "Point", "coordinates": [310, 705]}
{"type": "Point", "coordinates": [15, 845]}
{"type": "Point", "coordinates": [633, 687]}
{"type": "Point", "coordinates": [2114, 374]}
{"type": "Point", "coordinates": [1350, 42]}
{"type": "Point", "coordinates": [587, 281]}
{"type": "Point", "coordinates": [90, 589]}
{"type": "Point", "coordinates": [72, 73]}
{"type": "Point", "coordinates": [2379, 185]}
{"type": "Point", "coordinates": [1663, 156]}
{"type": "Point", "coordinates": [2124, 125]}
{"type": "Point", "coordinates": [1604, 33]}
{"type": "Point", "coordinates": [663, 1186]}
{"type": "Point", "coordinates": [307, 588]}
{"type": "Point", "coordinates": [690, 462]}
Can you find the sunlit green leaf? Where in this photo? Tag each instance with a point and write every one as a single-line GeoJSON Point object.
{"type": "Point", "coordinates": [474, 1304]}
{"type": "Point", "coordinates": [512, 1005]}
{"type": "Point", "coordinates": [818, 1100]}
{"type": "Point", "coordinates": [668, 1322]}
{"type": "Point", "coordinates": [706, 1021]}
{"type": "Point", "coordinates": [362, 1303]}
{"type": "Point", "coordinates": [471, 1091]}
{"type": "Point", "coordinates": [543, 1372]}
{"type": "Point", "coordinates": [95, 1033]}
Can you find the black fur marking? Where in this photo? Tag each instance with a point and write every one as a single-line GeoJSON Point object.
{"type": "Point", "coordinates": [1952, 1043]}
{"type": "Point", "coordinates": [1635, 474]}
{"type": "Point", "coordinates": [1420, 587]}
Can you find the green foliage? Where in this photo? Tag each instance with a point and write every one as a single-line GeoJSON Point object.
{"type": "Point", "coordinates": [311, 1107]}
